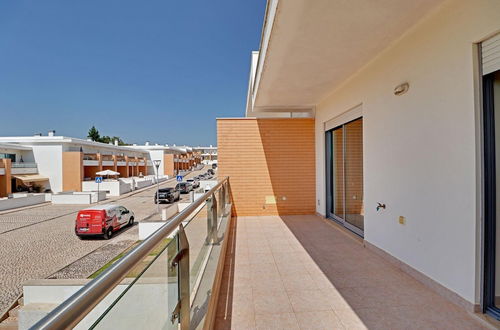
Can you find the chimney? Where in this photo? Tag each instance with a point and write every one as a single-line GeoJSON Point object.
{"type": "Point", "coordinates": [147, 143]}
{"type": "Point", "coordinates": [52, 133]}
{"type": "Point", "coordinates": [116, 142]}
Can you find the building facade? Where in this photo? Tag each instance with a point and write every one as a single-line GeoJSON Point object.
{"type": "Point", "coordinates": [64, 162]}
{"type": "Point", "coordinates": [383, 122]}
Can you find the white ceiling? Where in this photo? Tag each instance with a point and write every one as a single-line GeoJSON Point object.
{"type": "Point", "coordinates": [317, 44]}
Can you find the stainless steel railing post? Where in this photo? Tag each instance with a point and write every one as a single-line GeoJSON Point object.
{"type": "Point", "coordinates": [212, 220]}
{"type": "Point", "coordinates": [183, 275]}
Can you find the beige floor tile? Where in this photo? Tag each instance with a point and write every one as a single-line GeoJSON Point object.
{"type": "Point", "coordinates": [327, 320]}
{"type": "Point", "coordinates": [298, 283]}
{"type": "Point", "coordinates": [281, 248]}
{"type": "Point", "coordinates": [292, 269]}
{"type": "Point", "coordinates": [288, 257]}
{"type": "Point", "coordinates": [261, 258]}
{"type": "Point", "coordinates": [349, 319]}
{"type": "Point", "coordinates": [259, 248]}
{"type": "Point", "coordinates": [322, 281]}
{"type": "Point", "coordinates": [271, 302]}
{"type": "Point", "coordinates": [283, 321]}
{"type": "Point", "coordinates": [309, 301]}
{"type": "Point", "coordinates": [262, 284]}
{"type": "Point", "coordinates": [242, 280]}
{"type": "Point", "coordinates": [268, 268]}
{"type": "Point", "coordinates": [243, 321]}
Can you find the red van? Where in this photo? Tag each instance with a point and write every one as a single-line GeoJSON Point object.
{"type": "Point", "coordinates": [102, 220]}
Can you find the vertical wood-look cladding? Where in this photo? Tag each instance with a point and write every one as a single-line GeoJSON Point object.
{"type": "Point", "coordinates": [266, 160]}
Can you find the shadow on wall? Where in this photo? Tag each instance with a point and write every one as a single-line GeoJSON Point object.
{"type": "Point", "coordinates": [289, 151]}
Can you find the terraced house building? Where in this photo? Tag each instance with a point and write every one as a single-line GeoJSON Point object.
{"type": "Point", "coordinates": [60, 163]}
{"type": "Point", "coordinates": [381, 117]}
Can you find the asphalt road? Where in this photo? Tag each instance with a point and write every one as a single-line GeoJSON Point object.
{"type": "Point", "coordinates": [40, 242]}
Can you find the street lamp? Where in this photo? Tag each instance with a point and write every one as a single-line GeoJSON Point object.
{"type": "Point", "coordinates": [157, 163]}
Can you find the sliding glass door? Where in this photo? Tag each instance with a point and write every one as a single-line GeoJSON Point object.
{"type": "Point", "coordinates": [491, 115]}
{"type": "Point", "coordinates": [344, 157]}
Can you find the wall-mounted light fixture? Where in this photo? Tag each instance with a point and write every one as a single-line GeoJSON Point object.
{"type": "Point", "coordinates": [401, 89]}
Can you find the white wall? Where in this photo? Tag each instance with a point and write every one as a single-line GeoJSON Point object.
{"type": "Point", "coordinates": [21, 200]}
{"type": "Point", "coordinates": [419, 148]}
{"type": "Point", "coordinates": [49, 161]}
{"type": "Point", "coordinates": [78, 197]}
{"type": "Point", "coordinates": [157, 154]}
{"type": "Point", "coordinates": [114, 188]}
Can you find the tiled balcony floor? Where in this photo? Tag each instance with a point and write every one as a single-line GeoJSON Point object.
{"type": "Point", "coordinates": [301, 272]}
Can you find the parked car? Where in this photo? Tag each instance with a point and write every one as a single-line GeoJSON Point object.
{"type": "Point", "coordinates": [168, 195]}
{"type": "Point", "coordinates": [214, 166]}
{"type": "Point", "coordinates": [102, 220]}
{"type": "Point", "coordinates": [211, 171]}
{"type": "Point", "coordinates": [184, 187]}
{"type": "Point", "coordinates": [194, 182]}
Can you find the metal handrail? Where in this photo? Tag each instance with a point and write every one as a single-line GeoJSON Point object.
{"type": "Point", "coordinates": [76, 307]}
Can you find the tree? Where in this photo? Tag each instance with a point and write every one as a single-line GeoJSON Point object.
{"type": "Point", "coordinates": [94, 134]}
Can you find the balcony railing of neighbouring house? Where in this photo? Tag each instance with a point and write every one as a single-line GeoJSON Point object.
{"type": "Point", "coordinates": [90, 157]}
{"type": "Point", "coordinates": [171, 279]}
{"type": "Point", "coordinates": [24, 165]}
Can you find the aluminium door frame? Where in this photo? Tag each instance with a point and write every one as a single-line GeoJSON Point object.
{"type": "Point", "coordinates": [329, 178]}
{"type": "Point", "coordinates": [490, 192]}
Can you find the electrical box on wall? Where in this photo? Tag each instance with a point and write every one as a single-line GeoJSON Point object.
{"type": "Point", "coordinates": [402, 220]}
{"type": "Point", "coordinates": [271, 199]}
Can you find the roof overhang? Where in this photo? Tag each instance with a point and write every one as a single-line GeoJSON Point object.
{"type": "Point", "coordinates": [28, 141]}
{"type": "Point", "coordinates": [11, 146]}
{"type": "Point", "coordinates": [166, 149]}
{"type": "Point", "coordinates": [309, 48]}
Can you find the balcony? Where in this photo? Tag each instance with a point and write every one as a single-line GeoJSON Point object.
{"type": "Point", "coordinates": [24, 168]}
{"type": "Point", "coordinates": [90, 160]}
{"type": "Point", "coordinates": [305, 272]}
{"type": "Point", "coordinates": [107, 160]}
{"type": "Point", "coordinates": [271, 272]}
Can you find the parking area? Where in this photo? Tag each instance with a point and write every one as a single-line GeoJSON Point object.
{"type": "Point", "coordinates": [40, 242]}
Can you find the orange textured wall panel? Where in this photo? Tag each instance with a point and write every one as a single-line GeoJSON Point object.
{"type": "Point", "coordinates": [5, 179]}
{"type": "Point", "coordinates": [271, 164]}
{"type": "Point", "coordinates": [168, 164]}
{"type": "Point", "coordinates": [72, 171]}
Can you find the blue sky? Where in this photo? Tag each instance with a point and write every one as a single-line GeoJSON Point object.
{"type": "Point", "coordinates": [156, 70]}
